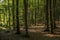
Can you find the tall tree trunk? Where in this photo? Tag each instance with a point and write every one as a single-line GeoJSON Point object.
{"type": "Point", "coordinates": [25, 17]}
{"type": "Point", "coordinates": [9, 14]}
{"type": "Point", "coordinates": [13, 15]}
{"type": "Point", "coordinates": [51, 16]}
{"type": "Point", "coordinates": [17, 17]}
{"type": "Point", "coordinates": [32, 20]}
{"type": "Point", "coordinates": [8, 22]}
{"type": "Point", "coordinates": [54, 12]}
{"type": "Point", "coordinates": [47, 17]}
{"type": "Point", "coordinates": [35, 13]}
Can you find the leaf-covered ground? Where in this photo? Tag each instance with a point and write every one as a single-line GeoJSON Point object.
{"type": "Point", "coordinates": [35, 34]}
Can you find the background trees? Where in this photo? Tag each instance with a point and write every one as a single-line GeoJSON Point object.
{"type": "Point", "coordinates": [19, 13]}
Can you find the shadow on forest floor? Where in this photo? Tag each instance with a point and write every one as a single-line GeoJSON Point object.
{"type": "Point", "coordinates": [35, 34]}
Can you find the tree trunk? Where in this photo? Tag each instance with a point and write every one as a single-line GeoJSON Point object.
{"type": "Point", "coordinates": [25, 16]}
{"type": "Point", "coordinates": [51, 16]}
{"type": "Point", "coordinates": [17, 17]}
{"type": "Point", "coordinates": [13, 15]}
{"type": "Point", "coordinates": [47, 17]}
{"type": "Point", "coordinates": [54, 12]}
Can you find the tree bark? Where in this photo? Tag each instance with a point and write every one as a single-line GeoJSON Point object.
{"type": "Point", "coordinates": [47, 17]}
{"type": "Point", "coordinates": [54, 12]}
{"type": "Point", "coordinates": [25, 16]}
{"type": "Point", "coordinates": [13, 15]}
{"type": "Point", "coordinates": [51, 16]}
{"type": "Point", "coordinates": [17, 17]}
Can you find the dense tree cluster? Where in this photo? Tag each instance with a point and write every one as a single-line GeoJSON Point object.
{"type": "Point", "coordinates": [17, 13]}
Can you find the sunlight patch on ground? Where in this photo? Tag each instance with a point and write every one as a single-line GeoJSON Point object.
{"type": "Point", "coordinates": [2, 28]}
{"type": "Point", "coordinates": [51, 35]}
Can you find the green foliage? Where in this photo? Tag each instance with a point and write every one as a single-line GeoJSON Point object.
{"type": "Point", "coordinates": [34, 6]}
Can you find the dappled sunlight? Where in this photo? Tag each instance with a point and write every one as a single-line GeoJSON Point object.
{"type": "Point", "coordinates": [1, 1]}
{"type": "Point", "coordinates": [29, 20]}
{"type": "Point", "coordinates": [2, 28]}
{"type": "Point", "coordinates": [51, 35]}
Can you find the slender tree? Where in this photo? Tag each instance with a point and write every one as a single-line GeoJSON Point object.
{"type": "Point", "coordinates": [25, 17]}
{"type": "Point", "coordinates": [32, 21]}
{"type": "Point", "coordinates": [13, 14]}
{"type": "Point", "coordinates": [54, 12]}
{"type": "Point", "coordinates": [35, 12]}
{"type": "Point", "coordinates": [0, 19]}
{"type": "Point", "coordinates": [17, 17]}
{"type": "Point", "coordinates": [47, 17]}
{"type": "Point", "coordinates": [9, 15]}
{"type": "Point", "coordinates": [51, 15]}
{"type": "Point", "coordinates": [8, 21]}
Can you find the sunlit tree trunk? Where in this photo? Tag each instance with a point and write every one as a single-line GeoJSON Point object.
{"type": "Point", "coordinates": [35, 12]}
{"type": "Point", "coordinates": [9, 16]}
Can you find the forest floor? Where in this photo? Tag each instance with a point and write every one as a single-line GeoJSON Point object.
{"type": "Point", "coordinates": [35, 34]}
